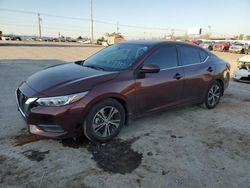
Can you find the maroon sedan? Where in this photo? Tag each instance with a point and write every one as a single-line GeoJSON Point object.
{"type": "Point", "coordinates": [122, 82]}
{"type": "Point", "coordinates": [221, 46]}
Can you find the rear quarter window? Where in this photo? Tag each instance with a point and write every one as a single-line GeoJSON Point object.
{"type": "Point", "coordinates": [190, 55]}
{"type": "Point", "coordinates": [203, 55]}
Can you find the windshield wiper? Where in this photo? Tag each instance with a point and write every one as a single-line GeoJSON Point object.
{"type": "Point", "coordinates": [93, 67]}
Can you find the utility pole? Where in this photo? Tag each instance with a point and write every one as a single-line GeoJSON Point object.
{"type": "Point", "coordinates": [172, 34]}
{"type": "Point", "coordinates": [91, 19]}
{"type": "Point", "coordinates": [59, 36]}
{"type": "Point", "coordinates": [117, 27]}
{"type": "Point", "coordinates": [209, 30]}
{"type": "Point", "coordinates": [39, 25]}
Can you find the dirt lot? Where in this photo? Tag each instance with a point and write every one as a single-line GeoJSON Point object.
{"type": "Point", "coordinates": [184, 147]}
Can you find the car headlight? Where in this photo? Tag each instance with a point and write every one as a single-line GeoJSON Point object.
{"type": "Point", "coordinates": [61, 100]}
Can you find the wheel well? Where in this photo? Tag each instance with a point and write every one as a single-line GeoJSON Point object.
{"type": "Point", "coordinates": [124, 104]}
{"type": "Point", "coordinates": [222, 85]}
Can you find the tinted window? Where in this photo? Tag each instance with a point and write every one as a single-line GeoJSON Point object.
{"type": "Point", "coordinates": [164, 57]}
{"type": "Point", "coordinates": [189, 55]}
{"type": "Point", "coordinates": [203, 55]}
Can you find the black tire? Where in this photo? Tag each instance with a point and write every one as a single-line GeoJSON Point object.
{"type": "Point", "coordinates": [207, 103]}
{"type": "Point", "coordinates": [98, 131]}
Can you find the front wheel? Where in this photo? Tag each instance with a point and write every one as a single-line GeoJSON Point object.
{"type": "Point", "coordinates": [104, 121]}
{"type": "Point", "coordinates": [213, 95]}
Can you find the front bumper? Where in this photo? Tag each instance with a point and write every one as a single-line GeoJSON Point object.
{"type": "Point", "coordinates": [235, 50]}
{"type": "Point", "coordinates": [56, 122]}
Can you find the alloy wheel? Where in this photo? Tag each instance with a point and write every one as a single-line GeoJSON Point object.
{"type": "Point", "coordinates": [106, 121]}
{"type": "Point", "coordinates": [213, 95]}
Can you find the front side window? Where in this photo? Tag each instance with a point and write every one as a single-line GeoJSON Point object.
{"type": "Point", "coordinates": [189, 55]}
{"type": "Point", "coordinates": [116, 57]}
{"type": "Point", "coordinates": [164, 57]}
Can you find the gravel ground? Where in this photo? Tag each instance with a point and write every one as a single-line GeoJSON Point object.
{"type": "Point", "coordinates": [183, 147]}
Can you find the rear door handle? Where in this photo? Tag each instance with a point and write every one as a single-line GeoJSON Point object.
{"type": "Point", "coordinates": [210, 69]}
{"type": "Point", "coordinates": [177, 76]}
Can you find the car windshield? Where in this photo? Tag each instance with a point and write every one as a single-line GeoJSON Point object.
{"type": "Point", "coordinates": [116, 57]}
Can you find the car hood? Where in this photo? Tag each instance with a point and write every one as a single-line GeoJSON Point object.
{"type": "Point", "coordinates": [67, 79]}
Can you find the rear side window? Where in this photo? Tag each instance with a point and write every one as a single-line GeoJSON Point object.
{"type": "Point", "coordinates": [164, 57]}
{"type": "Point", "coordinates": [189, 55]}
{"type": "Point", "coordinates": [203, 55]}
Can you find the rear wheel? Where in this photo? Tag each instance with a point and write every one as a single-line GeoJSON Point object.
{"type": "Point", "coordinates": [213, 95]}
{"type": "Point", "coordinates": [104, 121]}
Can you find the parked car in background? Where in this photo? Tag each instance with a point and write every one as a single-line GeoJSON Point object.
{"type": "Point", "coordinates": [193, 42]}
{"type": "Point", "coordinates": [221, 46]}
{"type": "Point", "coordinates": [101, 40]}
{"type": "Point", "coordinates": [207, 45]}
{"type": "Point", "coordinates": [96, 97]}
{"type": "Point", "coordinates": [13, 37]}
{"type": "Point", "coordinates": [242, 73]}
{"type": "Point", "coordinates": [6, 37]}
{"type": "Point", "coordinates": [248, 50]}
{"type": "Point", "coordinates": [238, 47]}
{"type": "Point", "coordinates": [69, 39]}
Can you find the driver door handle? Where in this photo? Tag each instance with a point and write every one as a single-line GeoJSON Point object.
{"type": "Point", "coordinates": [177, 76]}
{"type": "Point", "coordinates": [210, 69]}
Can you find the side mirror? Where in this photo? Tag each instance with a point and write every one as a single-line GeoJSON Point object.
{"type": "Point", "coordinates": [150, 69]}
{"type": "Point", "coordinates": [79, 62]}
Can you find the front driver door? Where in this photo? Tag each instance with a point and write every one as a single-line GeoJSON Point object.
{"type": "Point", "coordinates": [162, 89]}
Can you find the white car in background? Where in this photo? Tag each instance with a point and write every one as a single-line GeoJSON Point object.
{"type": "Point", "coordinates": [238, 47]}
{"type": "Point", "coordinates": [242, 73]}
{"type": "Point", "coordinates": [5, 37]}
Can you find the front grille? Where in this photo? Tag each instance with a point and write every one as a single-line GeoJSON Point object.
{"type": "Point", "coordinates": [245, 78]}
{"type": "Point", "coordinates": [21, 100]}
{"type": "Point", "coordinates": [25, 108]}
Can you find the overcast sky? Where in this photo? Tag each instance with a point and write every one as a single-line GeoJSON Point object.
{"type": "Point", "coordinates": [227, 17]}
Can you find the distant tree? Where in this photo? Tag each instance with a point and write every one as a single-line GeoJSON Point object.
{"type": "Point", "coordinates": [235, 37]}
{"type": "Point", "coordinates": [248, 37]}
{"type": "Point", "coordinates": [79, 38]}
{"type": "Point", "coordinates": [114, 34]}
{"type": "Point", "coordinates": [241, 36]}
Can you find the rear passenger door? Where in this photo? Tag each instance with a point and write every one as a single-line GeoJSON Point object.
{"type": "Point", "coordinates": [198, 72]}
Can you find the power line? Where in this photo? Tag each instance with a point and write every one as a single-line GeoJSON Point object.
{"type": "Point", "coordinates": [91, 19]}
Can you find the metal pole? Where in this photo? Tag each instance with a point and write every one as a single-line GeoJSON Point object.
{"type": "Point", "coordinates": [117, 27]}
{"type": "Point", "coordinates": [91, 18]}
{"type": "Point", "coordinates": [39, 25]}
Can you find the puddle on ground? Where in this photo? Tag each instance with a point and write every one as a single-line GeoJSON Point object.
{"type": "Point", "coordinates": [75, 142]}
{"type": "Point", "coordinates": [115, 156]}
{"type": "Point", "coordinates": [34, 155]}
